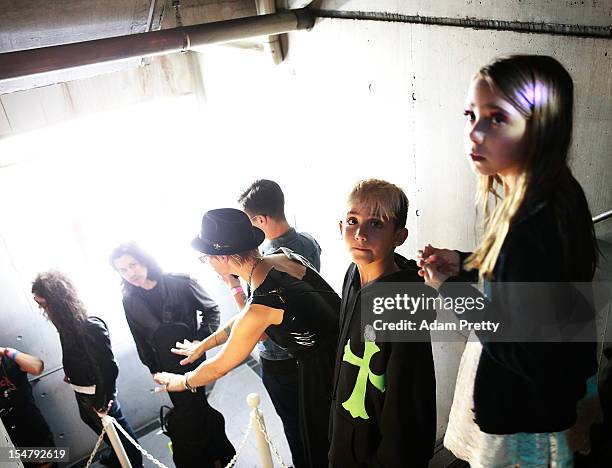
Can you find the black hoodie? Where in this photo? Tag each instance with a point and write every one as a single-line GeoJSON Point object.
{"type": "Point", "coordinates": [89, 360]}
{"type": "Point", "coordinates": [400, 428]}
{"type": "Point", "coordinates": [524, 385]}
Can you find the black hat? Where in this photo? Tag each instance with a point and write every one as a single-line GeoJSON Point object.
{"type": "Point", "coordinates": [227, 231]}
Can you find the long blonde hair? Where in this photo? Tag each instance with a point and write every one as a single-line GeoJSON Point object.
{"type": "Point", "coordinates": [542, 91]}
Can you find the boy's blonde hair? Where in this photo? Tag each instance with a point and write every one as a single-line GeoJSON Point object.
{"type": "Point", "coordinates": [381, 199]}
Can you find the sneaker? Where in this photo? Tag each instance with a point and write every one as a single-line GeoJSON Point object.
{"type": "Point", "coordinates": [108, 458]}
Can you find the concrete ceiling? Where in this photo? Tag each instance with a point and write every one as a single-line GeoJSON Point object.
{"type": "Point", "coordinates": [38, 23]}
{"type": "Point", "coordinates": [30, 24]}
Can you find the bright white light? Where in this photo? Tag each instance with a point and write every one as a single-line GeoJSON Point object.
{"type": "Point", "coordinates": [84, 186]}
{"type": "Point", "coordinates": [148, 172]}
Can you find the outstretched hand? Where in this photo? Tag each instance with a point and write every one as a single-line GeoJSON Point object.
{"type": "Point", "coordinates": [169, 382]}
{"type": "Point", "coordinates": [191, 349]}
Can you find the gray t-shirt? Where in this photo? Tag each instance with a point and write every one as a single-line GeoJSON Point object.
{"type": "Point", "coordinates": [305, 245]}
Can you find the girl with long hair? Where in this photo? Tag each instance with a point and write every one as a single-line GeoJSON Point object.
{"type": "Point", "coordinates": [87, 357]}
{"type": "Point", "coordinates": [522, 388]}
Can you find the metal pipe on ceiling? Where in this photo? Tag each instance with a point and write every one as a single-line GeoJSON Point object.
{"type": "Point", "coordinates": [532, 27]}
{"type": "Point", "coordinates": [30, 62]}
{"type": "Point", "coordinates": [273, 44]}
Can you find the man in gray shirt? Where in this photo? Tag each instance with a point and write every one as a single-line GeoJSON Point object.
{"type": "Point", "coordinates": [264, 202]}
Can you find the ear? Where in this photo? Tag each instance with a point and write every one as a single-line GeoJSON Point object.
{"type": "Point", "coordinates": [400, 236]}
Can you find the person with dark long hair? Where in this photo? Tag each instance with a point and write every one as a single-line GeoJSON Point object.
{"type": "Point", "coordinates": [161, 309]}
{"type": "Point", "coordinates": [87, 356]}
{"type": "Point", "coordinates": [522, 388]}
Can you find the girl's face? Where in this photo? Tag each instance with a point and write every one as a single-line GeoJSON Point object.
{"type": "Point", "coordinates": [43, 305]}
{"type": "Point", "coordinates": [41, 301]}
{"type": "Point", "coordinates": [494, 132]}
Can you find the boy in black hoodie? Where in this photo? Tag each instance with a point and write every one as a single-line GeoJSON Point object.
{"type": "Point", "coordinates": [384, 399]}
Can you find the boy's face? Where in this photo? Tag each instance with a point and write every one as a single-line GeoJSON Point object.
{"type": "Point", "coordinates": [368, 238]}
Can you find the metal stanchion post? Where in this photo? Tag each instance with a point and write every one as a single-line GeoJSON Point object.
{"type": "Point", "coordinates": [116, 442]}
{"type": "Point", "coordinates": [263, 447]}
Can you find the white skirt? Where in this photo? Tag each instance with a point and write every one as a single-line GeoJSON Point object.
{"type": "Point", "coordinates": [466, 441]}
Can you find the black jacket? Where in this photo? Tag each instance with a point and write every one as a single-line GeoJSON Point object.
{"type": "Point", "coordinates": [182, 297]}
{"type": "Point", "coordinates": [524, 385]}
{"type": "Point", "coordinates": [22, 419]}
{"type": "Point", "coordinates": [88, 360]}
{"type": "Point", "coordinates": [400, 428]}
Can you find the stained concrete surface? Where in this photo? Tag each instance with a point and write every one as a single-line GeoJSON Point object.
{"type": "Point", "coordinates": [229, 396]}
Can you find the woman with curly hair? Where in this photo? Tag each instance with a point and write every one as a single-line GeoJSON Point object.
{"type": "Point", "coordinates": [87, 357]}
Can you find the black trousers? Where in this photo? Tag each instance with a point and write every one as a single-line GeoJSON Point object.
{"type": "Point", "coordinates": [281, 380]}
{"type": "Point", "coordinates": [197, 431]}
{"type": "Point", "coordinates": [89, 417]}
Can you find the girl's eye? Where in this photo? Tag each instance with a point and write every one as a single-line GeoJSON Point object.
{"type": "Point", "coordinates": [376, 223]}
{"type": "Point", "coordinates": [351, 221]}
{"type": "Point", "coordinates": [469, 115]}
{"type": "Point", "coordinates": [498, 119]}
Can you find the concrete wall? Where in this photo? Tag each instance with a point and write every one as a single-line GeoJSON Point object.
{"type": "Point", "coordinates": [385, 99]}
{"type": "Point", "coordinates": [354, 99]}
{"type": "Point", "coordinates": [570, 12]}
{"type": "Point", "coordinates": [6, 443]}
{"type": "Point", "coordinates": [394, 95]}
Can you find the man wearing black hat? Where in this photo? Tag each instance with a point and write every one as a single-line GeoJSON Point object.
{"type": "Point", "coordinates": [161, 309]}
{"type": "Point", "coordinates": [289, 301]}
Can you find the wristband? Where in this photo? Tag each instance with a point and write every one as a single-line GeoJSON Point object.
{"type": "Point", "coordinates": [186, 384]}
{"type": "Point", "coordinates": [11, 353]}
{"type": "Point", "coordinates": [237, 290]}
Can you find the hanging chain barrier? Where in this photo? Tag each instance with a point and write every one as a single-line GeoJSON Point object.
{"type": "Point", "coordinates": [258, 416]}
{"type": "Point", "coordinates": [145, 454]}
{"type": "Point", "coordinates": [96, 447]}
{"type": "Point", "coordinates": [234, 459]}
{"type": "Point", "coordinates": [262, 428]}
